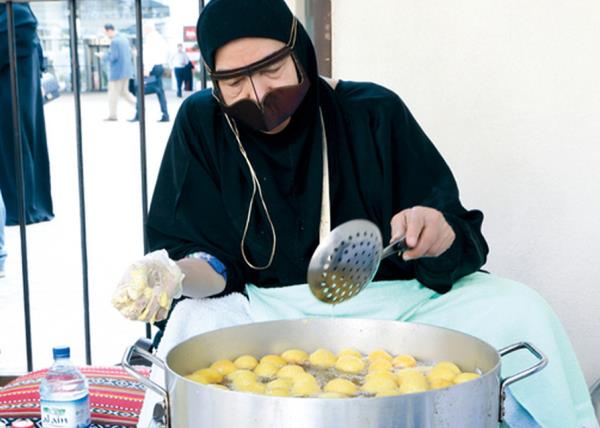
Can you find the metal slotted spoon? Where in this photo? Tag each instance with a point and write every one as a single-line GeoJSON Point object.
{"type": "Point", "coordinates": [347, 260]}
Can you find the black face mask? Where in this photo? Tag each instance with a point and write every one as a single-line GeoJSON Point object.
{"type": "Point", "coordinates": [276, 106]}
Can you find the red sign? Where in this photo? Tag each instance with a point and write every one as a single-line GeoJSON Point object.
{"type": "Point", "coordinates": [189, 33]}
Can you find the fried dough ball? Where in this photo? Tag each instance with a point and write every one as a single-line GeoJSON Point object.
{"type": "Point", "coordinates": [449, 366]}
{"type": "Point", "coordinates": [388, 393]}
{"type": "Point", "coordinates": [404, 361]}
{"type": "Point", "coordinates": [441, 373]}
{"type": "Point", "coordinates": [384, 375]}
{"type": "Point", "coordinates": [439, 383]}
{"type": "Point", "coordinates": [246, 362]}
{"type": "Point", "coordinates": [350, 364]}
{"type": "Point", "coordinates": [305, 389]}
{"type": "Point", "coordinates": [380, 365]}
{"type": "Point", "coordinates": [341, 386]}
{"type": "Point", "coordinates": [219, 386]}
{"type": "Point", "coordinates": [465, 377]}
{"type": "Point", "coordinates": [415, 382]}
{"type": "Point", "coordinates": [266, 370]}
{"type": "Point", "coordinates": [291, 371]}
{"type": "Point", "coordinates": [278, 392]}
{"type": "Point", "coordinates": [254, 387]}
{"type": "Point", "coordinates": [305, 384]}
{"type": "Point", "coordinates": [379, 353]}
{"type": "Point", "coordinates": [282, 383]}
{"type": "Point", "coordinates": [243, 375]}
{"type": "Point", "coordinates": [273, 359]}
{"type": "Point", "coordinates": [332, 395]}
{"type": "Point", "coordinates": [206, 376]}
{"type": "Point", "coordinates": [322, 358]}
{"type": "Point", "coordinates": [349, 351]}
{"type": "Point", "coordinates": [404, 374]}
{"type": "Point", "coordinates": [295, 356]}
{"type": "Point", "coordinates": [378, 384]}
{"type": "Point", "coordinates": [224, 367]}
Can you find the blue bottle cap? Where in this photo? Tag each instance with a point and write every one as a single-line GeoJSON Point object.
{"type": "Point", "coordinates": [61, 352]}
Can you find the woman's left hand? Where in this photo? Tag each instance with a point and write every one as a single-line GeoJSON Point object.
{"type": "Point", "coordinates": [426, 231]}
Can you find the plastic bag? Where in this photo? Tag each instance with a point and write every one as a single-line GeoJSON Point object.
{"type": "Point", "coordinates": [148, 287]}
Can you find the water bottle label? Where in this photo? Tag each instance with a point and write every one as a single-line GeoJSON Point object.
{"type": "Point", "coordinates": [66, 414]}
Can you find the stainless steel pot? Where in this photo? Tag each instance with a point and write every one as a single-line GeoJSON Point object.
{"type": "Point", "coordinates": [476, 404]}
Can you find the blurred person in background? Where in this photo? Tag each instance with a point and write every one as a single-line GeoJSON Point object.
{"type": "Point", "coordinates": [36, 166]}
{"type": "Point", "coordinates": [180, 61]}
{"type": "Point", "coordinates": [156, 57]}
{"type": "Point", "coordinates": [121, 70]}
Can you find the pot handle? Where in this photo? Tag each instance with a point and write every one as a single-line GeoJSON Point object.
{"type": "Point", "coordinates": [505, 383]}
{"type": "Point", "coordinates": [161, 410]}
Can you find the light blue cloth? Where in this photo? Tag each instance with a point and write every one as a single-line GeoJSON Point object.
{"type": "Point", "coordinates": [2, 223]}
{"type": "Point", "coordinates": [119, 59]}
{"type": "Point", "coordinates": [499, 311]}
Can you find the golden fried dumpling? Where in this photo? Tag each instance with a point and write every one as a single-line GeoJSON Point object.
{"type": "Point", "coordinates": [246, 362]}
{"type": "Point", "coordinates": [415, 382]}
{"type": "Point", "coordinates": [332, 395]}
{"type": "Point", "coordinates": [385, 375]}
{"type": "Point", "coordinates": [281, 383]}
{"type": "Point", "coordinates": [439, 383]}
{"type": "Point", "coordinates": [219, 386]}
{"type": "Point", "coordinates": [291, 371]}
{"type": "Point", "coordinates": [350, 364]}
{"type": "Point", "coordinates": [378, 384]}
{"type": "Point", "coordinates": [266, 370]}
{"type": "Point", "coordinates": [388, 393]}
{"type": "Point", "coordinates": [322, 358]}
{"type": "Point", "coordinates": [341, 386]}
{"type": "Point", "coordinates": [403, 374]}
{"type": "Point", "coordinates": [379, 353]}
{"type": "Point", "coordinates": [304, 378]}
{"type": "Point", "coordinates": [305, 388]}
{"type": "Point", "coordinates": [380, 365]}
{"type": "Point", "coordinates": [349, 351]}
{"type": "Point", "coordinates": [224, 367]}
{"type": "Point", "coordinates": [404, 361]}
{"type": "Point", "coordinates": [465, 377]}
{"type": "Point", "coordinates": [295, 356]}
{"type": "Point", "coordinates": [243, 374]}
{"type": "Point", "coordinates": [447, 365]}
{"type": "Point", "coordinates": [441, 373]}
{"type": "Point", "coordinates": [254, 387]}
{"type": "Point", "coordinates": [273, 359]}
{"type": "Point", "coordinates": [206, 376]}
{"type": "Point", "coordinates": [278, 392]}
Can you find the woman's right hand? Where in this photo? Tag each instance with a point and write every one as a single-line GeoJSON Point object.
{"type": "Point", "coordinates": [148, 287]}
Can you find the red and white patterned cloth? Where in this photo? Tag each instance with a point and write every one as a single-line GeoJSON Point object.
{"type": "Point", "coordinates": [115, 397]}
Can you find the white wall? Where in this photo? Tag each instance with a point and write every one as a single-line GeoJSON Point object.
{"type": "Point", "coordinates": [509, 92]}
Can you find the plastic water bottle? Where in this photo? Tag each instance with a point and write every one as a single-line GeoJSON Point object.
{"type": "Point", "coordinates": [64, 398]}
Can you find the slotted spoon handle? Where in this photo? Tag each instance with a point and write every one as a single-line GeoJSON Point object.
{"type": "Point", "coordinates": [397, 247]}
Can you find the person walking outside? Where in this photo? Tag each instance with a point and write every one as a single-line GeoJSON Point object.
{"type": "Point", "coordinates": [180, 61]}
{"type": "Point", "coordinates": [121, 70]}
{"type": "Point", "coordinates": [156, 56]}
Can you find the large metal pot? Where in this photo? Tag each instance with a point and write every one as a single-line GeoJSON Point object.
{"type": "Point", "coordinates": [476, 404]}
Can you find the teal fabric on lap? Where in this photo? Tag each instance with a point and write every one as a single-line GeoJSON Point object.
{"type": "Point", "coordinates": [499, 311]}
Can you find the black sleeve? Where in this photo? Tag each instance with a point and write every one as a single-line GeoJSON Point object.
{"type": "Point", "coordinates": [187, 214]}
{"type": "Point", "coordinates": [423, 178]}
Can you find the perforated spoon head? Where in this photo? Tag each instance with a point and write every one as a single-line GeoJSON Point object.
{"type": "Point", "coordinates": [345, 261]}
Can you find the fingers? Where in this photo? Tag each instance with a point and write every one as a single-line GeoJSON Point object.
{"type": "Point", "coordinates": [427, 232]}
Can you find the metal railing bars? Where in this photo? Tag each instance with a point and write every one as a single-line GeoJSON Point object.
{"type": "Point", "coordinates": [76, 79]}
{"type": "Point", "coordinates": [16, 119]}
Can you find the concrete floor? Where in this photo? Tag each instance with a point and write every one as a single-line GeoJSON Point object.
{"type": "Point", "coordinates": [114, 230]}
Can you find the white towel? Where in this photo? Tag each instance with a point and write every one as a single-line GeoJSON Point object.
{"type": "Point", "coordinates": [190, 318]}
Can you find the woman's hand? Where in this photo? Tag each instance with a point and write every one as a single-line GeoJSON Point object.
{"type": "Point", "coordinates": [148, 287]}
{"type": "Point", "coordinates": [427, 232]}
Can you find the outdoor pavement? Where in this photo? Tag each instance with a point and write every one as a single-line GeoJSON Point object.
{"type": "Point", "coordinates": [111, 152]}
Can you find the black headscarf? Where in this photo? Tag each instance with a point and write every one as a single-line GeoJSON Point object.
{"type": "Point", "coordinates": [380, 162]}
